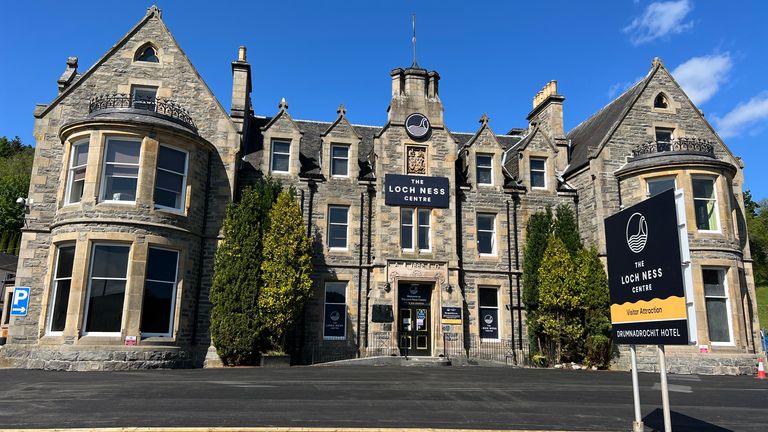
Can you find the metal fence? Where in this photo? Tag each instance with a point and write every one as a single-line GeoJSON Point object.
{"type": "Point", "coordinates": [471, 347]}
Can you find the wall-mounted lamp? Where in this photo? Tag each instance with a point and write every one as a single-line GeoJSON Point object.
{"type": "Point", "coordinates": [388, 287]}
{"type": "Point", "coordinates": [448, 288]}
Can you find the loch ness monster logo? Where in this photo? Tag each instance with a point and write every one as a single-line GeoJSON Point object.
{"type": "Point", "coordinates": [417, 125]}
{"type": "Point", "coordinates": [637, 232]}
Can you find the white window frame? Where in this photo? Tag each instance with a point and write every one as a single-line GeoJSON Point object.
{"type": "Point", "coordinates": [272, 153]}
{"type": "Point", "coordinates": [104, 171]}
{"type": "Point", "coordinates": [326, 302]}
{"type": "Point", "coordinates": [531, 170]}
{"type": "Point", "coordinates": [650, 180]}
{"type": "Point", "coordinates": [415, 226]}
{"type": "Point", "coordinates": [497, 307]}
{"type": "Point", "coordinates": [714, 199]}
{"type": "Point", "coordinates": [488, 167]}
{"type": "Point", "coordinates": [137, 88]}
{"type": "Point", "coordinates": [183, 192]}
{"type": "Point", "coordinates": [172, 318]}
{"type": "Point", "coordinates": [346, 228]}
{"type": "Point", "coordinates": [410, 212]}
{"type": "Point", "coordinates": [493, 233]}
{"type": "Point", "coordinates": [88, 291]}
{"type": "Point", "coordinates": [55, 289]}
{"type": "Point", "coordinates": [723, 276]}
{"type": "Point", "coordinates": [346, 147]}
{"type": "Point", "coordinates": [72, 169]}
{"type": "Point", "coordinates": [419, 226]}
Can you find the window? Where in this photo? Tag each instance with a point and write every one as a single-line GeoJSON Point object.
{"type": "Point", "coordinates": [717, 305]}
{"type": "Point", "coordinates": [106, 288]}
{"type": "Point", "coordinates": [335, 313]}
{"type": "Point", "coordinates": [664, 135]}
{"type": "Point", "coordinates": [281, 156]}
{"type": "Point", "coordinates": [159, 292]}
{"type": "Point", "coordinates": [486, 233]}
{"type": "Point", "coordinates": [340, 161]}
{"type": "Point", "coordinates": [660, 101]}
{"type": "Point", "coordinates": [538, 172]}
{"type": "Point", "coordinates": [121, 170]}
{"type": "Point", "coordinates": [659, 185]}
{"type": "Point", "coordinates": [489, 313]}
{"type": "Point", "coordinates": [171, 178]}
{"type": "Point", "coordinates": [62, 281]}
{"type": "Point", "coordinates": [148, 54]}
{"type": "Point", "coordinates": [337, 227]}
{"type": "Point", "coordinates": [484, 167]}
{"type": "Point", "coordinates": [705, 204]}
{"type": "Point", "coordinates": [144, 98]}
{"type": "Point", "coordinates": [78, 160]}
{"type": "Point", "coordinates": [422, 233]}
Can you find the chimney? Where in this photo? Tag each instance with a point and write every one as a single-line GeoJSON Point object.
{"type": "Point", "coordinates": [241, 88]}
{"type": "Point", "coordinates": [69, 75]}
{"type": "Point", "coordinates": [547, 111]}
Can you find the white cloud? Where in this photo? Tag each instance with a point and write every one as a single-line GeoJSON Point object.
{"type": "Point", "coordinates": [701, 77]}
{"type": "Point", "coordinates": [620, 87]}
{"type": "Point", "coordinates": [659, 19]}
{"type": "Point", "coordinates": [744, 117]}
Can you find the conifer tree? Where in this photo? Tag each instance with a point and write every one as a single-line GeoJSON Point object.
{"type": "Point", "coordinates": [286, 270]}
{"type": "Point", "coordinates": [566, 229]}
{"type": "Point", "coordinates": [591, 284]}
{"type": "Point", "coordinates": [235, 318]}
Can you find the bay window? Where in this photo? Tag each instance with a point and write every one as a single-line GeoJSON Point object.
{"type": "Point", "coordinates": [170, 178]}
{"type": "Point", "coordinates": [106, 288]}
{"type": "Point", "coordinates": [78, 160]}
{"type": "Point", "coordinates": [159, 292]}
{"type": "Point", "coordinates": [121, 170]}
{"type": "Point", "coordinates": [62, 281]}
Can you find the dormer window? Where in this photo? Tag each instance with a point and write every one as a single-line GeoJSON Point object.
{"type": "Point", "coordinates": [148, 54]}
{"type": "Point", "coordinates": [660, 101]}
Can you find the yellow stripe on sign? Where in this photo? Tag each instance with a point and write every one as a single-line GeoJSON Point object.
{"type": "Point", "coordinates": [650, 310]}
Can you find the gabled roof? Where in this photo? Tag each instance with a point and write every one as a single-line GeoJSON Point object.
{"type": "Point", "coordinates": [591, 134]}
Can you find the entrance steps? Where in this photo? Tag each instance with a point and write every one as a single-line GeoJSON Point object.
{"type": "Point", "coordinates": [417, 361]}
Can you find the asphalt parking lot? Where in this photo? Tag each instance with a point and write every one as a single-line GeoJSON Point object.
{"type": "Point", "coordinates": [377, 397]}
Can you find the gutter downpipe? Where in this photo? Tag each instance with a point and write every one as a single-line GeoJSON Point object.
{"type": "Point", "coordinates": [516, 200]}
{"type": "Point", "coordinates": [509, 279]}
{"type": "Point", "coordinates": [360, 272]}
{"type": "Point", "coordinates": [371, 191]}
{"type": "Point", "coordinates": [198, 288]}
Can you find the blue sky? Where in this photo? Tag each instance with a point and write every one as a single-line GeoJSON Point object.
{"type": "Point", "coordinates": [492, 56]}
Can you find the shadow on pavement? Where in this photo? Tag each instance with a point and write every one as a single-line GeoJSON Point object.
{"type": "Point", "coordinates": [680, 423]}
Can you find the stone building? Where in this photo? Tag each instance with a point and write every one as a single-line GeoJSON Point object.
{"type": "Point", "coordinates": [418, 230]}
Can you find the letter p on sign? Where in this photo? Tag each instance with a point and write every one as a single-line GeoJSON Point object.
{"type": "Point", "coordinates": [20, 301]}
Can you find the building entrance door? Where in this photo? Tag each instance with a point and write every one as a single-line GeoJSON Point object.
{"type": "Point", "coordinates": [414, 316]}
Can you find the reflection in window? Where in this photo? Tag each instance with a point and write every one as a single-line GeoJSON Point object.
{"type": "Point", "coordinates": [486, 233]}
{"type": "Point", "coordinates": [717, 304]}
{"type": "Point", "coordinates": [484, 167]}
{"type": "Point", "coordinates": [660, 101]}
{"type": "Point", "coordinates": [281, 156]}
{"type": "Point", "coordinates": [422, 232]}
{"type": "Point", "coordinates": [121, 170]}
{"type": "Point", "coordinates": [106, 288]}
{"type": "Point", "coordinates": [538, 172]}
{"type": "Point", "coordinates": [62, 280]}
{"type": "Point", "coordinates": [148, 54]}
{"type": "Point", "coordinates": [337, 227]}
{"type": "Point", "coordinates": [659, 185]}
{"type": "Point", "coordinates": [705, 204]}
{"type": "Point", "coordinates": [76, 175]}
{"type": "Point", "coordinates": [144, 98]}
{"type": "Point", "coordinates": [664, 135]}
{"type": "Point", "coordinates": [340, 160]}
{"type": "Point", "coordinates": [170, 178]}
{"type": "Point", "coordinates": [159, 292]}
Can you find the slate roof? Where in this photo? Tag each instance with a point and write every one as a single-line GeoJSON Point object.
{"type": "Point", "coordinates": [589, 134]}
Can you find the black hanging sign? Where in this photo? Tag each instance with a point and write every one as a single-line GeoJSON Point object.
{"type": "Point", "coordinates": [645, 277]}
{"type": "Point", "coordinates": [411, 190]}
{"type": "Point", "coordinates": [335, 321]}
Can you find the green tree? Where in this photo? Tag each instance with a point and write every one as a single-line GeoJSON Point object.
{"type": "Point", "coordinates": [757, 228]}
{"type": "Point", "coordinates": [15, 171]}
{"type": "Point", "coordinates": [566, 229]}
{"type": "Point", "coordinates": [536, 234]}
{"type": "Point", "coordinates": [286, 270]}
{"type": "Point", "coordinates": [235, 319]}
{"type": "Point", "coordinates": [591, 284]}
{"type": "Point", "coordinates": [559, 311]}
{"type": "Point", "coordinates": [10, 147]}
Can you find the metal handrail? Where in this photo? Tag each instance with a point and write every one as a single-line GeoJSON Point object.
{"type": "Point", "coordinates": [159, 105]}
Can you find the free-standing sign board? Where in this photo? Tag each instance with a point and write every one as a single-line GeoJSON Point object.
{"type": "Point", "coordinates": [644, 274]}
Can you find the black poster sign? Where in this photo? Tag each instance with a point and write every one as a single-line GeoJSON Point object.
{"type": "Point", "coordinates": [415, 294]}
{"type": "Point", "coordinates": [411, 190]}
{"type": "Point", "coordinates": [335, 321]}
{"type": "Point", "coordinates": [645, 275]}
{"type": "Point", "coordinates": [451, 315]}
{"type": "Point", "coordinates": [489, 323]}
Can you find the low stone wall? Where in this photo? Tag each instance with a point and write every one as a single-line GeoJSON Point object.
{"type": "Point", "coordinates": [686, 363]}
{"type": "Point", "coordinates": [98, 358]}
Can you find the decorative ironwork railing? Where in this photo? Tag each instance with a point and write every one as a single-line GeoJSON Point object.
{"type": "Point", "coordinates": [163, 106]}
{"type": "Point", "coordinates": [697, 145]}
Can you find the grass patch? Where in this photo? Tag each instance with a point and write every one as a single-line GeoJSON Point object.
{"type": "Point", "coordinates": [762, 305]}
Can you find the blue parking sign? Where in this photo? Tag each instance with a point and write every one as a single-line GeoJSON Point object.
{"type": "Point", "coordinates": [20, 301]}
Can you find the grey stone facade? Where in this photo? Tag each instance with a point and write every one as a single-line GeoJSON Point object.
{"type": "Point", "coordinates": [592, 169]}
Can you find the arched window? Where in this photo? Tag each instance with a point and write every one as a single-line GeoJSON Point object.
{"type": "Point", "coordinates": [660, 101]}
{"type": "Point", "coordinates": [147, 54]}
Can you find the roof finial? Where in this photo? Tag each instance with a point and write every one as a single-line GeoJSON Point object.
{"type": "Point", "coordinates": [155, 10]}
{"type": "Point", "coordinates": [484, 119]}
{"type": "Point", "coordinates": [656, 62]}
{"type": "Point", "coordinates": [283, 105]}
{"type": "Point", "coordinates": [341, 110]}
{"type": "Point", "coordinates": [413, 19]}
